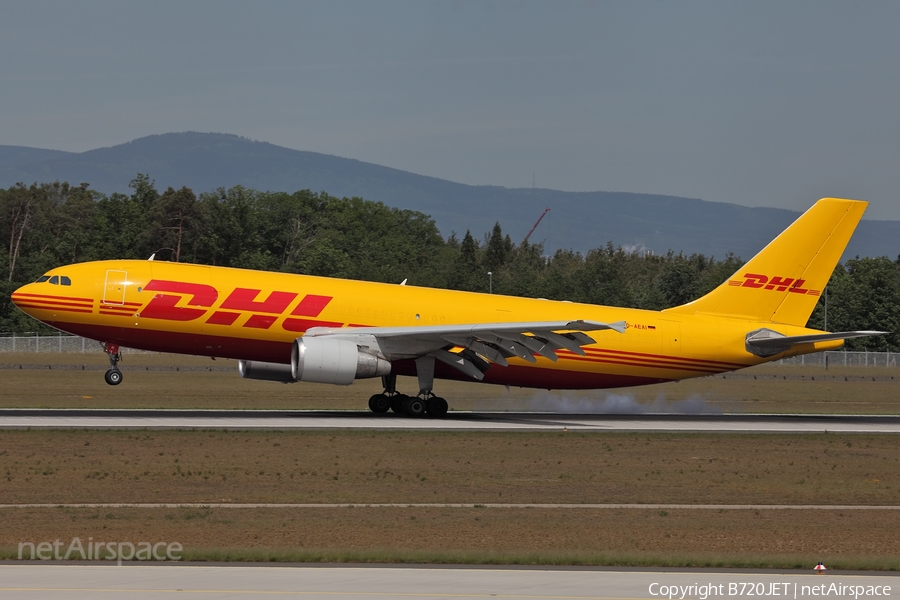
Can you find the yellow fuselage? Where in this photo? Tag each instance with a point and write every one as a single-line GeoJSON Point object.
{"type": "Point", "coordinates": [253, 315]}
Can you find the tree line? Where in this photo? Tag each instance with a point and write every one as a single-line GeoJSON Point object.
{"type": "Point", "coordinates": [51, 224]}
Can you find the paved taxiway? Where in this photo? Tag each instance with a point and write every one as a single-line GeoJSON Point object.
{"type": "Point", "coordinates": [335, 582]}
{"type": "Point", "coordinates": [486, 421]}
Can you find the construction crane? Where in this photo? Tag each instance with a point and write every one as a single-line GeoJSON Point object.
{"type": "Point", "coordinates": [536, 223]}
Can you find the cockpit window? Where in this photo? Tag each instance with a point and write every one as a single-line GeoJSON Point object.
{"type": "Point", "coordinates": [54, 280]}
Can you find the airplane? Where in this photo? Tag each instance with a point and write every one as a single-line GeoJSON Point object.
{"type": "Point", "coordinates": [289, 328]}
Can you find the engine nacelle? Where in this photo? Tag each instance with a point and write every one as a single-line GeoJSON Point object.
{"type": "Point", "coordinates": [254, 369]}
{"type": "Point", "coordinates": [330, 360]}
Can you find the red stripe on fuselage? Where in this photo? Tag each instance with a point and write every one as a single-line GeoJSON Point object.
{"type": "Point", "coordinates": [23, 294]}
{"type": "Point", "coordinates": [54, 308]}
{"type": "Point", "coordinates": [20, 301]}
{"type": "Point", "coordinates": [646, 364]}
{"type": "Point", "coordinates": [688, 360]}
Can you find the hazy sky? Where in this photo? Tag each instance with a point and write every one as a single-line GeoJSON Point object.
{"type": "Point", "coordinates": [756, 103]}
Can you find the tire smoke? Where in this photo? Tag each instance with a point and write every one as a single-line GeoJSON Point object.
{"type": "Point", "coordinates": [600, 403]}
{"type": "Point", "coordinates": [618, 404]}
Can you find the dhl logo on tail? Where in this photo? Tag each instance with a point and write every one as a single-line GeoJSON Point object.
{"type": "Point", "coordinates": [779, 284]}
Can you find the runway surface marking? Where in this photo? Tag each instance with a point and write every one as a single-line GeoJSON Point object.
{"type": "Point", "coordinates": [463, 505]}
{"type": "Point", "coordinates": [484, 421]}
{"type": "Point", "coordinates": [50, 581]}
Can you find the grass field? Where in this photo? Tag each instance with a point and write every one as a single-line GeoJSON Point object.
{"type": "Point", "coordinates": [361, 467]}
{"type": "Point", "coordinates": [736, 538]}
{"type": "Point", "coordinates": [764, 389]}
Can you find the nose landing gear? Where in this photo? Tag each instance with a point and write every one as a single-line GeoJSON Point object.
{"type": "Point", "coordinates": [113, 376]}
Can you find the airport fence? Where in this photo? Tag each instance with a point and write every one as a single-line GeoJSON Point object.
{"type": "Point", "coordinates": [840, 358]}
{"type": "Point", "coordinates": [34, 342]}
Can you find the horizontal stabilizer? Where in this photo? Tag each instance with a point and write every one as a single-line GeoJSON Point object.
{"type": "Point", "coordinates": [765, 342]}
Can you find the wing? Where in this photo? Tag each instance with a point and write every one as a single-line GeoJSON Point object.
{"type": "Point", "coordinates": [495, 342]}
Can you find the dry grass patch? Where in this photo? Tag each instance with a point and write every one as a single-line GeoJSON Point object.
{"type": "Point", "coordinates": [86, 466]}
{"type": "Point", "coordinates": [582, 536]}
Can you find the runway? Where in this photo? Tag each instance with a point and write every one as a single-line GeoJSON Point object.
{"type": "Point", "coordinates": [81, 581]}
{"type": "Point", "coordinates": [471, 421]}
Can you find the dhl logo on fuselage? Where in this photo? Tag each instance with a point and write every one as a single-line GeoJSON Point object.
{"type": "Point", "coordinates": [200, 298]}
{"type": "Point", "coordinates": [778, 284]}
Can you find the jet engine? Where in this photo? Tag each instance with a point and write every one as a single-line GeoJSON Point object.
{"type": "Point", "coordinates": [336, 361]}
{"type": "Point", "coordinates": [254, 369]}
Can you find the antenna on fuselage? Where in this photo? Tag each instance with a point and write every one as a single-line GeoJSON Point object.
{"type": "Point", "coordinates": [158, 250]}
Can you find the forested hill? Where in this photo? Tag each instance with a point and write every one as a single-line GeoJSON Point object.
{"type": "Point", "coordinates": [579, 221]}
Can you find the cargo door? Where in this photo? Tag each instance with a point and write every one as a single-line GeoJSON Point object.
{"type": "Point", "coordinates": [114, 292]}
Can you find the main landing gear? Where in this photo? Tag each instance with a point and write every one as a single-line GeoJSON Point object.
{"type": "Point", "coordinates": [413, 406]}
{"type": "Point", "coordinates": [113, 376]}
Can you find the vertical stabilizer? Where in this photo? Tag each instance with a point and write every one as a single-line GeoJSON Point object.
{"type": "Point", "coordinates": [783, 282]}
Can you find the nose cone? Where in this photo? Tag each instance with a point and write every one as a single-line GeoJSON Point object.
{"type": "Point", "coordinates": [23, 298]}
{"type": "Point", "coordinates": [19, 296]}
{"type": "Point", "coordinates": [45, 302]}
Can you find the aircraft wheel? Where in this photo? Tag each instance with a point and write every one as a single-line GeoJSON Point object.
{"type": "Point", "coordinates": [113, 377]}
{"type": "Point", "coordinates": [379, 403]}
{"type": "Point", "coordinates": [397, 401]}
{"type": "Point", "coordinates": [437, 407]}
{"type": "Point", "coordinates": [414, 407]}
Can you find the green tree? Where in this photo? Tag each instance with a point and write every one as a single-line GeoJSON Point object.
{"type": "Point", "coordinates": [173, 215]}
{"type": "Point", "coordinates": [19, 206]}
{"type": "Point", "coordinates": [603, 279]}
{"type": "Point", "coordinates": [467, 268]}
{"type": "Point", "coordinates": [497, 249]}
{"type": "Point", "coordinates": [863, 294]}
